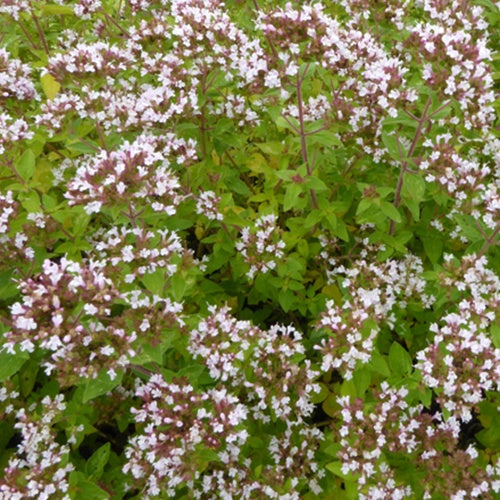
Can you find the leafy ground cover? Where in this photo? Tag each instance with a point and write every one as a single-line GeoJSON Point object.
{"type": "Point", "coordinates": [249, 249]}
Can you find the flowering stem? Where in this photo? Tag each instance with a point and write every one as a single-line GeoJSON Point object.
{"type": "Point", "coordinates": [303, 142]}
{"type": "Point", "coordinates": [123, 30]}
{"type": "Point", "coordinates": [28, 36]}
{"type": "Point", "coordinates": [447, 103]}
{"type": "Point", "coordinates": [55, 150]}
{"type": "Point", "coordinates": [16, 173]}
{"type": "Point", "coordinates": [40, 32]}
{"type": "Point", "coordinates": [324, 127]}
{"type": "Point", "coordinates": [61, 227]}
{"type": "Point", "coordinates": [245, 178]}
{"type": "Point", "coordinates": [203, 124]}
{"type": "Point", "coordinates": [480, 229]}
{"type": "Point", "coordinates": [292, 126]}
{"type": "Point", "coordinates": [101, 136]}
{"type": "Point", "coordinates": [404, 164]}
{"type": "Point", "coordinates": [131, 216]}
{"type": "Point", "coordinates": [203, 120]}
{"type": "Point", "coordinates": [489, 241]}
{"type": "Point", "coordinates": [271, 45]}
{"type": "Point", "coordinates": [89, 144]}
{"type": "Point", "coordinates": [226, 229]}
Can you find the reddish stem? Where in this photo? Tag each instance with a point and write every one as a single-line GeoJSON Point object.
{"type": "Point", "coordinates": [404, 164]}
{"type": "Point", "coordinates": [303, 142]}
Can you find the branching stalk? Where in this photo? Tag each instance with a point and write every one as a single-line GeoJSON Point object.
{"type": "Point", "coordinates": [404, 164]}
{"type": "Point", "coordinates": [302, 133]}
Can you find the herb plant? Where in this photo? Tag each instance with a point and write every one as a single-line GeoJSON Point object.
{"type": "Point", "coordinates": [249, 249]}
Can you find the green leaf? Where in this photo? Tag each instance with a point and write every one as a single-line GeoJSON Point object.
{"type": "Point", "coordinates": [178, 287]}
{"type": "Point", "coordinates": [488, 413]}
{"type": "Point", "coordinates": [306, 70]}
{"type": "Point", "coordinates": [155, 354]}
{"type": "Point", "coordinates": [79, 222]}
{"type": "Point", "coordinates": [234, 183]}
{"type": "Point", "coordinates": [349, 483]}
{"type": "Point", "coordinates": [281, 123]}
{"type": "Point", "coordinates": [413, 193]}
{"type": "Point", "coordinates": [390, 211]}
{"type": "Point", "coordinates": [49, 202]}
{"type": "Point", "coordinates": [413, 187]}
{"type": "Point", "coordinates": [313, 218]}
{"type": "Point", "coordinates": [433, 246]}
{"type": "Point", "coordinates": [31, 202]}
{"type": "Point", "coordinates": [401, 119]}
{"type": "Point", "coordinates": [101, 385]}
{"type": "Point", "coordinates": [348, 388]}
{"type": "Point", "coordinates": [340, 230]}
{"type": "Point", "coordinates": [73, 248]}
{"type": "Point", "coordinates": [495, 334]}
{"type": "Point", "coordinates": [379, 364]}
{"type": "Point", "coordinates": [285, 175]}
{"type": "Point", "coordinates": [286, 298]}
{"type": "Point", "coordinates": [362, 379]}
{"type": "Point", "coordinates": [425, 396]}
{"type": "Point", "coordinates": [274, 148]}
{"type": "Point", "coordinates": [8, 287]}
{"type": "Point", "coordinates": [364, 205]}
{"type": "Point", "coordinates": [325, 138]}
{"type": "Point", "coordinates": [468, 227]}
{"type": "Point", "coordinates": [399, 359]}
{"type": "Point", "coordinates": [96, 463]}
{"type": "Point", "coordinates": [330, 405]}
{"type": "Point", "coordinates": [25, 165]}
{"type": "Point", "coordinates": [154, 282]}
{"type": "Point", "coordinates": [11, 363]}
{"type": "Point", "coordinates": [292, 197]}
{"type": "Point", "coordinates": [336, 469]}
{"type": "Point", "coordinates": [391, 143]}
{"type": "Point", "coordinates": [87, 490]}
{"type": "Point", "coordinates": [303, 248]}
{"type": "Point", "coordinates": [27, 376]}
{"type": "Point", "coordinates": [83, 147]}
{"type": "Point", "coordinates": [336, 226]}
{"type": "Point", "coordinates": [414, 208]}
{"type": "Point", "coordinates": [319, 397]}
{"type": "Point", "coordinates": [490, 437]}
{"type": "Point", "coordinates": [317, 184]}
{"type": "Point", "coordinates": [193, 372]}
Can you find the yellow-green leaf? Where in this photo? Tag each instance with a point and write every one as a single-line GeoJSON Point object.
{"type": "Point", "coordinates": [50, 85]}
{"type": "Point", "coordinates": [55, 9]}
{"type": "Point", "coordinates": [26, 164]}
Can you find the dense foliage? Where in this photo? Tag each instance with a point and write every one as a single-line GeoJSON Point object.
{"type": "Point", "coordinates": [248, 249]}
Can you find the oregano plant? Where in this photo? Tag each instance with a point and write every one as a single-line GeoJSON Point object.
{"type": "Point", "coordinates": [249, 249]}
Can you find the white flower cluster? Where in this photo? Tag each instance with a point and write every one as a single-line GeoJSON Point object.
{"type": "Point", "coordinates": [375, 290]}
{"type": "Point", "coordinates": [207, 205]}
{"type": "Point", "coordinates": [260, 245]}
{"type": "Point", "coordinates": [138, 172]}
{"type": "Point", "coordinates": [461, 363]}
{"type": "Point", "coordinates": [138, 251]}
{"type": "Point", "coordinates": [178, 423]}
{"type": "Point", "coordinates": [40, 463]}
